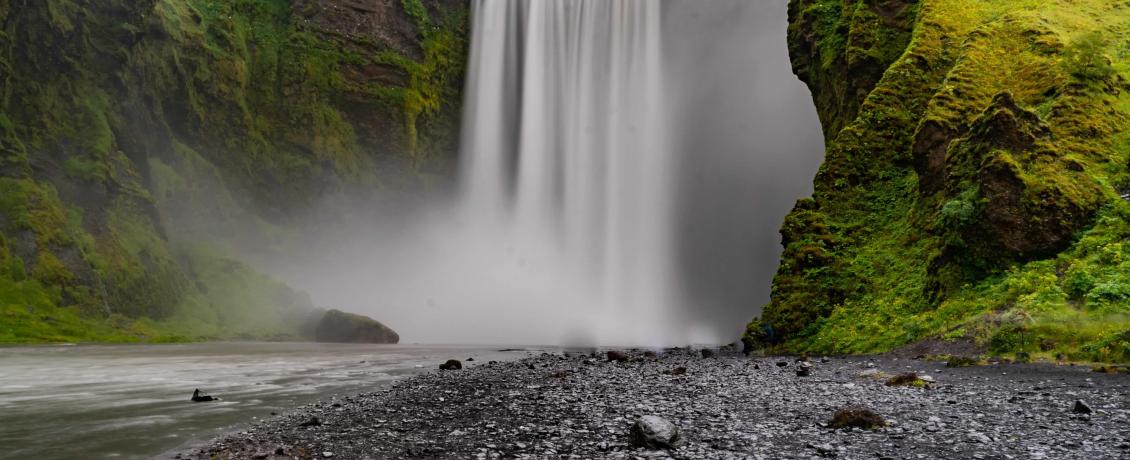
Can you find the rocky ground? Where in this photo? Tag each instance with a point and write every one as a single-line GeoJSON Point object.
{"type": "Point", "coordinates": [724, 406]}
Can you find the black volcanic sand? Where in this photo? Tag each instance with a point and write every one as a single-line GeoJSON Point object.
{"type": "Point", "coordinates": [728, 406]}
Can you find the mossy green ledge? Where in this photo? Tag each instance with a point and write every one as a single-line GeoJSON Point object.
{"type": "Point", "coordinates": [975, 182]}
{"type": "Point", "coordinates": [138, 136]}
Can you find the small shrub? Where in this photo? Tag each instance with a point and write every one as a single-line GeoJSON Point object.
{"type": "Point", "coordinates": [16, 269]}
{"type": "Point", "coordinates": [955, 216]}
{"type": "Point", "coordinates": [1112, 291]}
{"type": "Point", "coordinates": [1078, 284]}
{"type": "Point", "coordinates": [1085, 59]}
{"type": "Point", "coordinates": [955, 335]}
{"type": "Point", "coordinates": [1115, 348]}
{"type": "Point", "coordinates": [1010, 337]}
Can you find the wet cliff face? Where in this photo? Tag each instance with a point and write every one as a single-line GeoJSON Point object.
{"type": "Point", "coordinates": [970, 189]}
{"type": "Point", "coordinates": [128, 125]}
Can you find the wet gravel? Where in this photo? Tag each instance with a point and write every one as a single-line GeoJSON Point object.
{"type": "Point", "coordinates": [725, 406]}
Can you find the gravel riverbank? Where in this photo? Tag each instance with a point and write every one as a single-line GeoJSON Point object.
{"type": "Point", "coordinates": [725, 406]}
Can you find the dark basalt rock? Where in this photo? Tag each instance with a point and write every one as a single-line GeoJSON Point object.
{"type": "Point", "coordinates": [1081, 407]}
{"type": "Point", "coordinates": [200, 396]}
{"type": "Point", "coordinates": [804, 369]}
{"type": "Point", "coordinates": [617, 356]}
{"type": "Point", "coordinates": [342, 327]}
{"type": "Point", "coordinates": [653, 433]}
{"type": "Point", "coordinates": [451, 365]}
{"type": "Point", "coordinates": [707, 353]}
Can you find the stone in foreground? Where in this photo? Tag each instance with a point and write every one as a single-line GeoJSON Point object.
{"type": "Point", "coordinates": [653, 433]}
{"type": "Point", "coordinates": [341, 327]}
{"type": "Point", "coordinates": [451, 365]}
{"type": "Point", "coordinates": [804, 369]}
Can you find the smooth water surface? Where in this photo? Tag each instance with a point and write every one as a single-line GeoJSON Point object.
{"type": "Point", "coordinates": [132, 401]}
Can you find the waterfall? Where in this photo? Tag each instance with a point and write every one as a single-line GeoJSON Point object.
{"type": "Point", "coordinates": [565, 161]}
{"type": "Point", "coordinates": [597, 203]}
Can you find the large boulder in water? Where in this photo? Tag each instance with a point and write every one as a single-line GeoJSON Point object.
{"type": "Point", "coordinates": [339, 326]}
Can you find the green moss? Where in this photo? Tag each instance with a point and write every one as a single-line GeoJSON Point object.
{"type": "Point", "coordinates": [117, 117]}
{"type": "Point", "coordinates": [1086, 59]}
{"type": "Point", "coordinates": [235, 301]}
{"type": "Point", "coordinates": [973, 190]}
{"type": "Point", "coordinates": [415, 9]}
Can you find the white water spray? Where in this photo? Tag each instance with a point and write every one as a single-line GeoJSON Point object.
{"type": "Point", "coordinates": [566, 168]}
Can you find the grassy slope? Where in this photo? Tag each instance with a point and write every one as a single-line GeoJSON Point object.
{"type": "Point", "coordinates": [1021, 247]}
{"type": "Point", "coordinates": [135, 134]}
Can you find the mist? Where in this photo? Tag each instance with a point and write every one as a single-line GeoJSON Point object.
{"type": "Point", "coordinates": [749, 143]}
{"type": "Point", "coordinates": [702, 164]}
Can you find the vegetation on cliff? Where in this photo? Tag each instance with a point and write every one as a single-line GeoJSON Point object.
{"type": "Point", "coordinates": [136, 137]}
{"type": "Point", "coordinates": [975, 181]}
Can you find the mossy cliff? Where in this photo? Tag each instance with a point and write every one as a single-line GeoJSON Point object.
{"type": "Point", "coordinates": [135, 134]}
{"type": "Point", "coordinates": [975, 181]}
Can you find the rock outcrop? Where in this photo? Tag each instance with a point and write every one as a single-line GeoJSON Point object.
{"type": "Point", "coordinates": [341, 327]}
{"type": "Point", "coordinates": [126, 125]}
{"type": "Point", "coordinates": [972, 185]}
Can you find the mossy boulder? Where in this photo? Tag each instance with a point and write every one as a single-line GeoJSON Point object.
{"type": "Point", "coordinates": [341, 327]}
{"type": "Point", "coordinates": [860, 417]}
{"type": "Point", "coordinates": [1029, 201]}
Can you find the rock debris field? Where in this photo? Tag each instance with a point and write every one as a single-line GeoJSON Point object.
{"type": "Point", "coordinates": [723, 405]}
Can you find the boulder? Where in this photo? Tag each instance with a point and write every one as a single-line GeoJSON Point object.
{"type": "Point", "coordinates": [618, 356]}
{"type": "Point", "coordinates": [200, 396]}
{"type": "Point", "coordinates": [451, 365]}
{"type": "Point", "coordinates": [342, 327]}
{"type": "Point", "coordinates": [804, 369]}
{"type": "Point", "coordinates": [909, 379]}
{"type": "Point", "coordinates": [1081, 407]}
{"type": "Point", "coordinates": [653, 432]}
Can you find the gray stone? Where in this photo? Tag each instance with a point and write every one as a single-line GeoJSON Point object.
{"type": "Point", "coordinates": [654, 433]}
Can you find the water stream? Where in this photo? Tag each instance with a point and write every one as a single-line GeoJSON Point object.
{"type": "Point", "coordinates": [132, 401]}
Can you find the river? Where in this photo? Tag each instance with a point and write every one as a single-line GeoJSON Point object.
{"type": "Point", "coordinates": [132, 401]}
